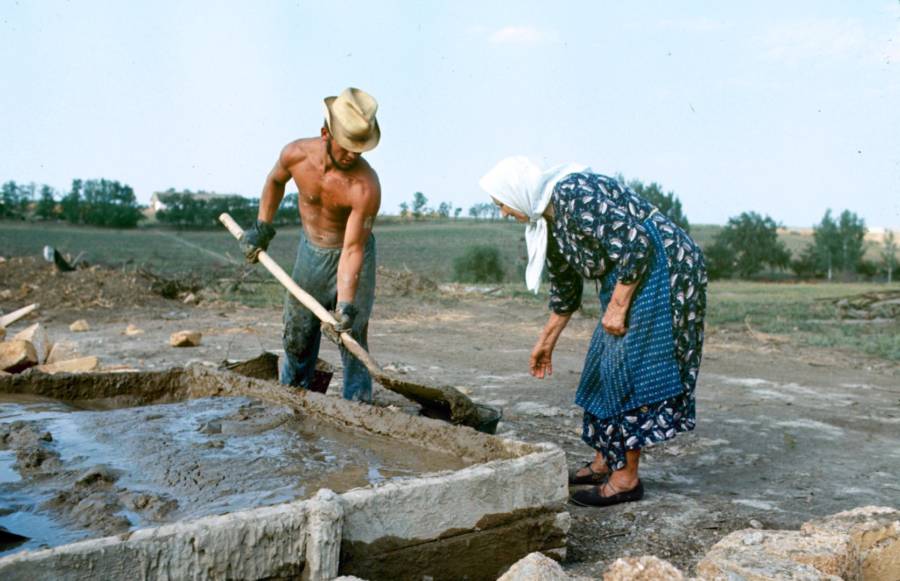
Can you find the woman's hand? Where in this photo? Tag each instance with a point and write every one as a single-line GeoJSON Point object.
{"type": "Point", "coordinates": [617, 310]}
{"type": "Point", "coordinates": [614, 320]}
{"type": "Point", "coordinates": [541, 362]}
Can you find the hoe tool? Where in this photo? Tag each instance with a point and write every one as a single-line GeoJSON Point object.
{"type": "Point", "coordinates": [441, 402]}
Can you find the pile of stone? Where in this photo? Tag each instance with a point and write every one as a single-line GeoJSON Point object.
{"type": "Point", "coordinates": [32, 349]}
{"type": "Point", "coordinates": [868, 306]}
{"type": "Point", "coordinates": [862, 544]}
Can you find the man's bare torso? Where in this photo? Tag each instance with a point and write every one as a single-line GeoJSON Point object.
{"type": "Point", "coordinates": [327, 194]}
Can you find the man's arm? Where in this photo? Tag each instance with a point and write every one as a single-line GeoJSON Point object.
{"type": "Point", "coordinates": [257, 237]}
{"type": "Point", "coordinates": [273, 188]}
{"type": "Point", "coordinates": [356, 235]}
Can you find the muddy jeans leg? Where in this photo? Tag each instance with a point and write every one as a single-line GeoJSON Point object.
{"type": "Point", "coordinates": [315, 271]}
{"type": "Point", "coordinates": [357, 381]}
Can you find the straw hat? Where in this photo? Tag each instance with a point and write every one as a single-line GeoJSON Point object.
{"type": "Point", "coordinates": [351, 120]}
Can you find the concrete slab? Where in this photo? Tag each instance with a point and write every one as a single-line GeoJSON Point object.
{"type": "Point", "coordinates": [471, 523]}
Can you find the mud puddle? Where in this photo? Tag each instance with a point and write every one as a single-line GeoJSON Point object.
{"type": "Point", "coordinates": [68, 473]}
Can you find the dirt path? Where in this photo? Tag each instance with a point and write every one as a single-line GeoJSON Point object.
{"type": "Point", "coordinates": [784, 434]}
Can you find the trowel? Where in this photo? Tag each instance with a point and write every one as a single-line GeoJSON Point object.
{"type": "Point", "coordinates": [442, 402]}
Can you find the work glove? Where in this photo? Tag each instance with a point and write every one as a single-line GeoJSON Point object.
{"type": "Point", "coordinates": [344, 313]}
{"type": "Point", "coordinates": [256, 239]}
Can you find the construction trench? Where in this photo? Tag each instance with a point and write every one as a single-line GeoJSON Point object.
{"type": "Point", "coordinates": [207, 474]}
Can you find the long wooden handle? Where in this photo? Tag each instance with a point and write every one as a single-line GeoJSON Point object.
{"type": "Point", "coordinates": [306, 299]}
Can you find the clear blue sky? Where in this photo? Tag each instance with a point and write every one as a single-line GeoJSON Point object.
{"type": "Point", "coordinates": [786, 108]}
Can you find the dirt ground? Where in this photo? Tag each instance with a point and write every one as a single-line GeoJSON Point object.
{"type": "Point", "coordinates": [785, 434]}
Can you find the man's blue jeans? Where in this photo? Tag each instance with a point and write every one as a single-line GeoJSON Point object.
{"type": "Point", "coordinates": [316, 272]}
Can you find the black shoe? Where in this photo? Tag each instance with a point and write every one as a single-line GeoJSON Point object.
{"type": "Point", "coordinates": [593, 496]}
{"type": "Point", "coordinates": [590, 478]}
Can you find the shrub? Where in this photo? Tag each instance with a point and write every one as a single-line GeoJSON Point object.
{"type": "Point", "coordinates": [479, 264]}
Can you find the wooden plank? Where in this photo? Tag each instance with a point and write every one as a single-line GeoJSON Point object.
{"type": "Point", "coordinates": [10, 318]}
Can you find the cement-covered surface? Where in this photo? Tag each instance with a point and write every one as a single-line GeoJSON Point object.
{"type": "Point", "coordinates": [511, 496]}
{"type": "Point", "coordinates": [70, 473]}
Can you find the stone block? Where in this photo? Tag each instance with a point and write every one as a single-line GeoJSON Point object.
{"type": "Point", "coordinates": [37, 336]}
{"type": "Point", "coordinates": [185, 339]}
{"type": "Point", "coordinates": [757, 555]}
{"type": "Point", "coordinates": [646, 568]}
{"type": "Point", "coordinates": [874, 531]}
{"type": "Point", "coordinates": [63, 351]}
{"type": "Point", "coordinates": [16, 356]}
{"type": "Point", "coordinates": [535, 567]}
{"type": "Point", "coordinates": [79, 326]}
{"type": "Point", "coordinates": [80, 365]}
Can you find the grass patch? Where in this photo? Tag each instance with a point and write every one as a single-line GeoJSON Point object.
{"type": "Point", "coordinates": [804, 312]}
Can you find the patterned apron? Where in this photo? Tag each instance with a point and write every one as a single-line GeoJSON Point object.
{"type": "Point", "coordinates": [639, 368]}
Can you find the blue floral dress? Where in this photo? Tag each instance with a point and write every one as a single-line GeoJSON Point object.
{"type": "Point", "coordinates": [597, 226]}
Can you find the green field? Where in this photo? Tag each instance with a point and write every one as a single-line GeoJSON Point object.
{"type": "Point", "coordinates": [426, 248]}
{"type": "Point", "coordinates": [430, 248]}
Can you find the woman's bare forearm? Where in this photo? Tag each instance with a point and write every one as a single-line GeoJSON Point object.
{"type": "Point", "coordinates": [554, 328]}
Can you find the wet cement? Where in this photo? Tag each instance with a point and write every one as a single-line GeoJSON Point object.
{"type": "Point", "coordinates": [69, 473]}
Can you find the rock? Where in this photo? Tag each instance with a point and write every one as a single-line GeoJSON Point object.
{"type": "Point", "coordinates": [757, 555]}
{"type": "Point", "coordinates": [535, 567]}
{"type": "Point", "coordinates": [185, 339]}
{"type": "Point", "coordinates": [99, 474]}
{"type": "Point", "coordinates": [16, 356]}
{"type": "Point", "coordinates": [80, 365]}
{"type": "Point", "coordinates": [875, 533]}
{"type": "Point", "coordinates": [189, 299]}
{"type": "Point", "coordinates": [37, 336]}
{"type": "Point", "coordinates": [755, 524]}
{"type": "Point", "coordinates": [63, 351]}
{"type": "Point", "coordinates": [6, 294]}
{"type": "Point", "coordinates": [132, 330]}
{"type": "Point", "coordinates": [79, 326]}
{"type": "Point", "coordinates": [646, 568]}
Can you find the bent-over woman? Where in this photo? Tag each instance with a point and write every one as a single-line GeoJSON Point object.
{"type": "Point", "coordinates": [637, 385]}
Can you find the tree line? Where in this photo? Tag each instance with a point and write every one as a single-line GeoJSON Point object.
{"type": "Point", "coordinates": [98, 202]}
{"type": "Point", "coordinates": [186, 209]}
{"type": "Point", "coordinates": [749, 244]}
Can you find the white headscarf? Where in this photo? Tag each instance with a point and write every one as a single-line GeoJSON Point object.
{"type": "Point", "coordinates": [523, 186]}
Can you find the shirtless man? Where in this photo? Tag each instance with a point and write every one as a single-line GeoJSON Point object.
{"type": "Point", "coordinates": [339, 197]}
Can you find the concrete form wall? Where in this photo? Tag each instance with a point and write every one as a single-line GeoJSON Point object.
{"type": "Point", "coordinates": [469, 523]}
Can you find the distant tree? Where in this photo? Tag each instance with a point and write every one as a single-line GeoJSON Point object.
{"type": "Point", "coordinates": [443, 210]}
{"type": "Point", "coordinates": [889, 255]}
{"type": "Point", "coordinates": [9, 200]}
{"type": "Point", "coordinates": [474, 211]}
{"type": "Point", "coordinates": [109, 203]}
{"type": "Point", "coordinates": [838, 245]}
{"type": "Point", "coordinates": [746, 245]}
{"type": "Point", "coordinates": [418, 205]}
{"type": "Point", "coordinates": [186, 210]}
{"type": "Point", "coordinates": [456, 213]}
{"type": "Point", "coordinates": [404, 210]}
{"type": "Point", "coordinates": [46, 207]}
{"type": "Point", "coordinates": [288, 212]}
{"type": "Point", "coordinates": [71, 204]}
{"type": "Point", "coordinates": [720, 260]}
{"type": "Point", "coordinates": [667, 203]}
